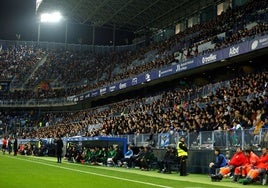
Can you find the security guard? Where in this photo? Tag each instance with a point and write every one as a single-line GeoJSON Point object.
{"type": "Point", "coordinates": [183, 155]}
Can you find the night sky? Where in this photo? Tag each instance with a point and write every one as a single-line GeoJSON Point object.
{"type": "Point", "coordinates": [18, 17]}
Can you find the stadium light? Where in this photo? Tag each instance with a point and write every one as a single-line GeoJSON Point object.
{"type": "Point", "coordinates": [54, 17]}
{"type": "Point", "coordinates": [51, 17]}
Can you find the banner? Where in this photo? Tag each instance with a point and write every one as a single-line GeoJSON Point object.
{"type": "Point", "coordinates": [164, 139]}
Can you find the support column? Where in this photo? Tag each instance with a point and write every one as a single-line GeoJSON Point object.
{"type": "Point", "coordinates": [93, 35]}
{"type": "Point", "coordinates": [114, 29]}
{"type": "Point", "coordinates": [66, 34]}
{"type": "Point", "coordinates": [38, 32]}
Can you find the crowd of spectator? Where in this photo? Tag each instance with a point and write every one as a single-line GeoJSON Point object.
{"type": "Point", "coordinates": [66, 73]}
{"type": "Point", "coordinates": [16, 62]}
{"type": "Point", "coordinates": [244, 102]}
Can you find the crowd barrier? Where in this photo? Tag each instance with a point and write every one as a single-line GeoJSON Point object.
{"type": "Point", "coordinates": [203, 140]}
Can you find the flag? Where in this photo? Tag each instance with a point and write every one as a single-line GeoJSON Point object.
{"type": "Point", "coordinates": [164, 139]}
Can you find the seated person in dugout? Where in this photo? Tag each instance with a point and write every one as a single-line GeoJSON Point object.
{"type": "Point", "coordinates": [114, 155]}
{"type": "Point", "coordinates": [84, 155]}
{"type": "Point", "coordinates": [118, 155]}
{"type": "Point", "coordinates": [170, 158]}
{"type": "Point", "coordinates": [73, 154]}
{"type": "Point", "coordinates": [242, 171]}
{"type": "Point", "coordinates": [238, 159]}
{"type": "Point", "coordinates": [110, 156]}
{"type": "Point", "coordinates": [126, 161]}
{"type": "Point", "coordinates": [137, 157]}
{"type": "Point", "coordinates": [147, 159]}
{"type": "Point", "coordinates": [104, 156]}
{"type": "Point", "coordinates": [258, 170]}
{"type": "Point", "coordinates": [220, 161]}
{"type": "Point", "coordinates": [90, 155]}
{"type": "Point", "coordinates": [96, 157]}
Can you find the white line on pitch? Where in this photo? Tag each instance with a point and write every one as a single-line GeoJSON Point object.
{"type": "Point", "coordinates": [96, 174]}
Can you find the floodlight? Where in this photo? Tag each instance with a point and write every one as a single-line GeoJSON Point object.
{"type": "Point", "coordinates": [51, 17]}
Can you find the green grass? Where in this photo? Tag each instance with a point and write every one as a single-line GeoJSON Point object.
{"type": "Point", "coordinates": [37, 172]}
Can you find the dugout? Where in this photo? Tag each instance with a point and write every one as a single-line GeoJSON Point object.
{"type": "Point", "coordinates": [38, 146]}
{"type": "Point", "coordinates": [98, 141]}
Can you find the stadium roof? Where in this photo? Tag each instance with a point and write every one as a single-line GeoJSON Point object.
{"type": "Point", "coordinates": [131, 15]}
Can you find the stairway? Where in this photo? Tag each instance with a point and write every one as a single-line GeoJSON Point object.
{"type": "Point", "coordinates": [40, 63]}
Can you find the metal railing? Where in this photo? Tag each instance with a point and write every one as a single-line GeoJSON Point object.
{"type": "Point", "coordinates": [37, 102]}
{"type": "Point", "coordinates": [206, 140]}
{"type": "Point", "coordinates": [203, 140]}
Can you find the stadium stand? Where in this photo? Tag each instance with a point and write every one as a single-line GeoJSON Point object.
{"type": "Point", "coordinates": [233, 106]}
{"type": "Point", "coordinates": [52, 83]}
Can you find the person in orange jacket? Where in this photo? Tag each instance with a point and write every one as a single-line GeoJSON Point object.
{"type": "Point", "coordinates": [238, 159]}
{"type": "Point", "coordinates": [257, 170]}
{"type": "Point", "coordinates": [242, 171]}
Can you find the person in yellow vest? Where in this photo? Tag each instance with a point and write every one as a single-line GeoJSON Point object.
{"type": "Point", "coordinates": [183, 155]}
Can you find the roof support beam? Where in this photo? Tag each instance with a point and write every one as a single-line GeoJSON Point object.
{"type": "Point", "coordinates": [76, 6]}
{"type": "Point", "coordinates": [95, 11]}
{"type": "Point", "coordinates": [145, 9]}
{"type": "Point", "coordinates": [115, 13]}
{"type": "Point", "coordinates": [165, 13]}
{"type": "Point", "coordinates": [127, 14]}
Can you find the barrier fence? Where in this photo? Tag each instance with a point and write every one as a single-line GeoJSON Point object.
{"type": "Point", "coordinates": [203, 140]}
